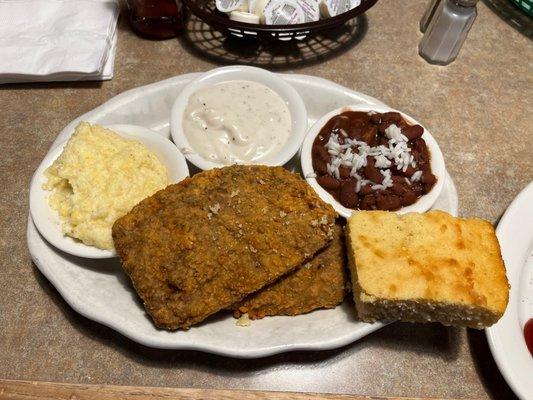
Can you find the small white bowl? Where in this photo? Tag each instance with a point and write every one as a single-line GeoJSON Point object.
{"type": "Point", "coordinates": [47, 220]}
{"type": "Point", "coordinates": [238, 72]}
{"type": "Point", "coordinates": [438, 168]}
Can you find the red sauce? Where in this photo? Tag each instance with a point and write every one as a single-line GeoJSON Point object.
{"type": "Point", "coordinates": [528, 335]}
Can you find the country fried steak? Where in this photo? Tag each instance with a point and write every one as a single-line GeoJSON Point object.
{"type": "Point", "coordinates": [204, 244]}
{"type": "Point", "coordinates": [320, 283]}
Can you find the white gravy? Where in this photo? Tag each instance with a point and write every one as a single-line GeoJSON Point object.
{"type": "Point", "coordinates": [236, 122]}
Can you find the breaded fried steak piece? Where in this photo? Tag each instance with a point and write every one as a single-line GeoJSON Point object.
{"type": "Point", "coordinates": [426, 267]}
{"type": "Point", "coordinates": [320, 283]}
{"type": "Point", "coordinates": [203, 244]}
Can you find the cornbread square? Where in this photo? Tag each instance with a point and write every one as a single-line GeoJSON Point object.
{"type": "Point", "coordinates": [426, 267]}
{"type": "Point", "coordinates": [319, 283]}
{"type": "Point", "coordinates": [201, 245]}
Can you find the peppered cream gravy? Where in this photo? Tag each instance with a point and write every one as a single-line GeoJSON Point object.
{"type": "Point", "coordinates": [236, 122]}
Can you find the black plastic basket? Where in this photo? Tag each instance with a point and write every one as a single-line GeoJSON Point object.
{"type": "Point", "coordinates": [207, 12]}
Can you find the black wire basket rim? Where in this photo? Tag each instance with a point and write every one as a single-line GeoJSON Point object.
{"type": "Point", "coordinates": [216, 20]}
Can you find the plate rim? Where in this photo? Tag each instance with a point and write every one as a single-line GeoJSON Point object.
{"type": "Point", "coordinates": [236, 352]}
{"type": "Point", "coordinates": [108, 107]}
{"type": "Point", "coordinates": [515, 377]}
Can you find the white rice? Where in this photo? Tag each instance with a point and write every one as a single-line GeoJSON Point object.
{"type": "Point", "coordinates": [416, 176]}
{"type": "Point", "coordinates": [353, 155]}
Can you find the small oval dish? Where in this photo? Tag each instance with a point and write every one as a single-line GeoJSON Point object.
{"type": "Point", "coordinates": [47, 220]}
{"type": "Point", "coordinates": [423, 203]}
{"type": "Point", "coordinates": [288, 94]}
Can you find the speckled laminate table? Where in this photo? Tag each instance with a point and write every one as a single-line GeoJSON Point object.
{"type": "Point", "coordinates": [477, 108]}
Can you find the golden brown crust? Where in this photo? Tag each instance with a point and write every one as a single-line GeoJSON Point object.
{"type": "Point", "coordinates": [405, 266]}
{"type": "Point", "coordinates": [205, 243]}
{"type": "Point", "coordinates": [320, 283]}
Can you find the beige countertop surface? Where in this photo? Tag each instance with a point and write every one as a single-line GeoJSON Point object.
{"type": "Point", "coordinates": [478, 108]}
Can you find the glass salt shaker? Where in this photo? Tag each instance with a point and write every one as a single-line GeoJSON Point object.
{"type": "Point", "coordinates": [447, 31]}
{"type": "Point", "coordinates": [430, 11]}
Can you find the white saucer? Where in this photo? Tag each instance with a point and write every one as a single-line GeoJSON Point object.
{"type": "Point", "coordinates": [47, 220]}
{"type": "Point", "coordinates": [438, 167]}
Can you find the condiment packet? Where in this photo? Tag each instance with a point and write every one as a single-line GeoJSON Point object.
{"type": "Point", "coordinates": [283, 12]}
{"type": "Point", "coordinates": [257, 7]}
{"type": "Point", "coordinates": [310, 9]}
{"type": "Point", "coordinates": [355, 3]}
{"type": "Point", "coordinates": [243, 16]}
{"type": "Point", "coordinates": [227, 6]}
{"type": "Point", "coordinates": [332, 8]}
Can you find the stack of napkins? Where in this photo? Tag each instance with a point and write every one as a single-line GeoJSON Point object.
{"type": "Point", "coordinates": [57, 40]}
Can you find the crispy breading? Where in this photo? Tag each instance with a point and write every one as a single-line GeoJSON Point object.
{"type": "Point", "coordinates": [203, 244]}
{"type": "Point", "coordinates": [320, 283]}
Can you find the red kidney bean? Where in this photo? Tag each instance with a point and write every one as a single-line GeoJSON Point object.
{"type": "Point", "coordinates": [371, 172]}
{"type": "Point", "coordinates": [358, 123]}
{"type": "Point", "coordinates": [328, 182]}
{"type": "Point", "coordinates": [320, 167]}
{"type": "Point", "coordinates": [336, 193]}
{"type": "Point", "coordinates": [321, 153]}
{"type": "Point", "coordinates": [408, 172]}
{"type": "Point", "coordinates": [419, 145]}
{"type": "Point", "coordinates": [355, 132]}
{"type": "Point", "coordinates": [428, 178]}
{"type": "Point", "coordinates": [383, 141]}
{"type": "Point", "coordinates": [388, 202]}
{"type": "Point", "coordinates": [408, 197]}
{"type": "Point", "coordinates": [375, 118]}
{"type": "Point", "coordinates": [416, 155]}
{"type": "Point", "coordinates": [348, 196]}
{"type": "Point", "coordinates": [369, 135]}
{"type": "Point", "coordinates": [383, 126]}
{"type": "Point", "coordinates": [344, 172]}
{"type": "Point", "coordinates": [340, 122]}
{"type": "Point", "coordinates": [399, 179]}
{"type": "Point", "coordinates": [418, 189]}
{"type": "Point", "coordinates": [402, 189]}
{"type": "Point", "coordinates": [402, 124]}
{"type": "Point", "coordinates": [397, 188]}
{"type": "Point", "coordinates": [413, 131]}
{"type": "Point", "coordinates": [427, 187]}
{"type": "Point", "coordinates": [392, 117]}
{"type": "Point", "coordinates": [342, 138]}
{"type": "Point", "coordinates": [366, 190]}
{"type": "Point", "coordinates": [368, 202]}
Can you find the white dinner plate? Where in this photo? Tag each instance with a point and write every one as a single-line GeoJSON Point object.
{"type": "Point", "coordinates": [506, 338]}
{"type": "Point", "coordinates": [99, 290]}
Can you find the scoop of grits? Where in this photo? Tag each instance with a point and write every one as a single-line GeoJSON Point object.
{"type": "Point", "coordinates": [97, 179]}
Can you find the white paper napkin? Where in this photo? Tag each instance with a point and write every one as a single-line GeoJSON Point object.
{"type": "Point", "coordinates": [57, 40]}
